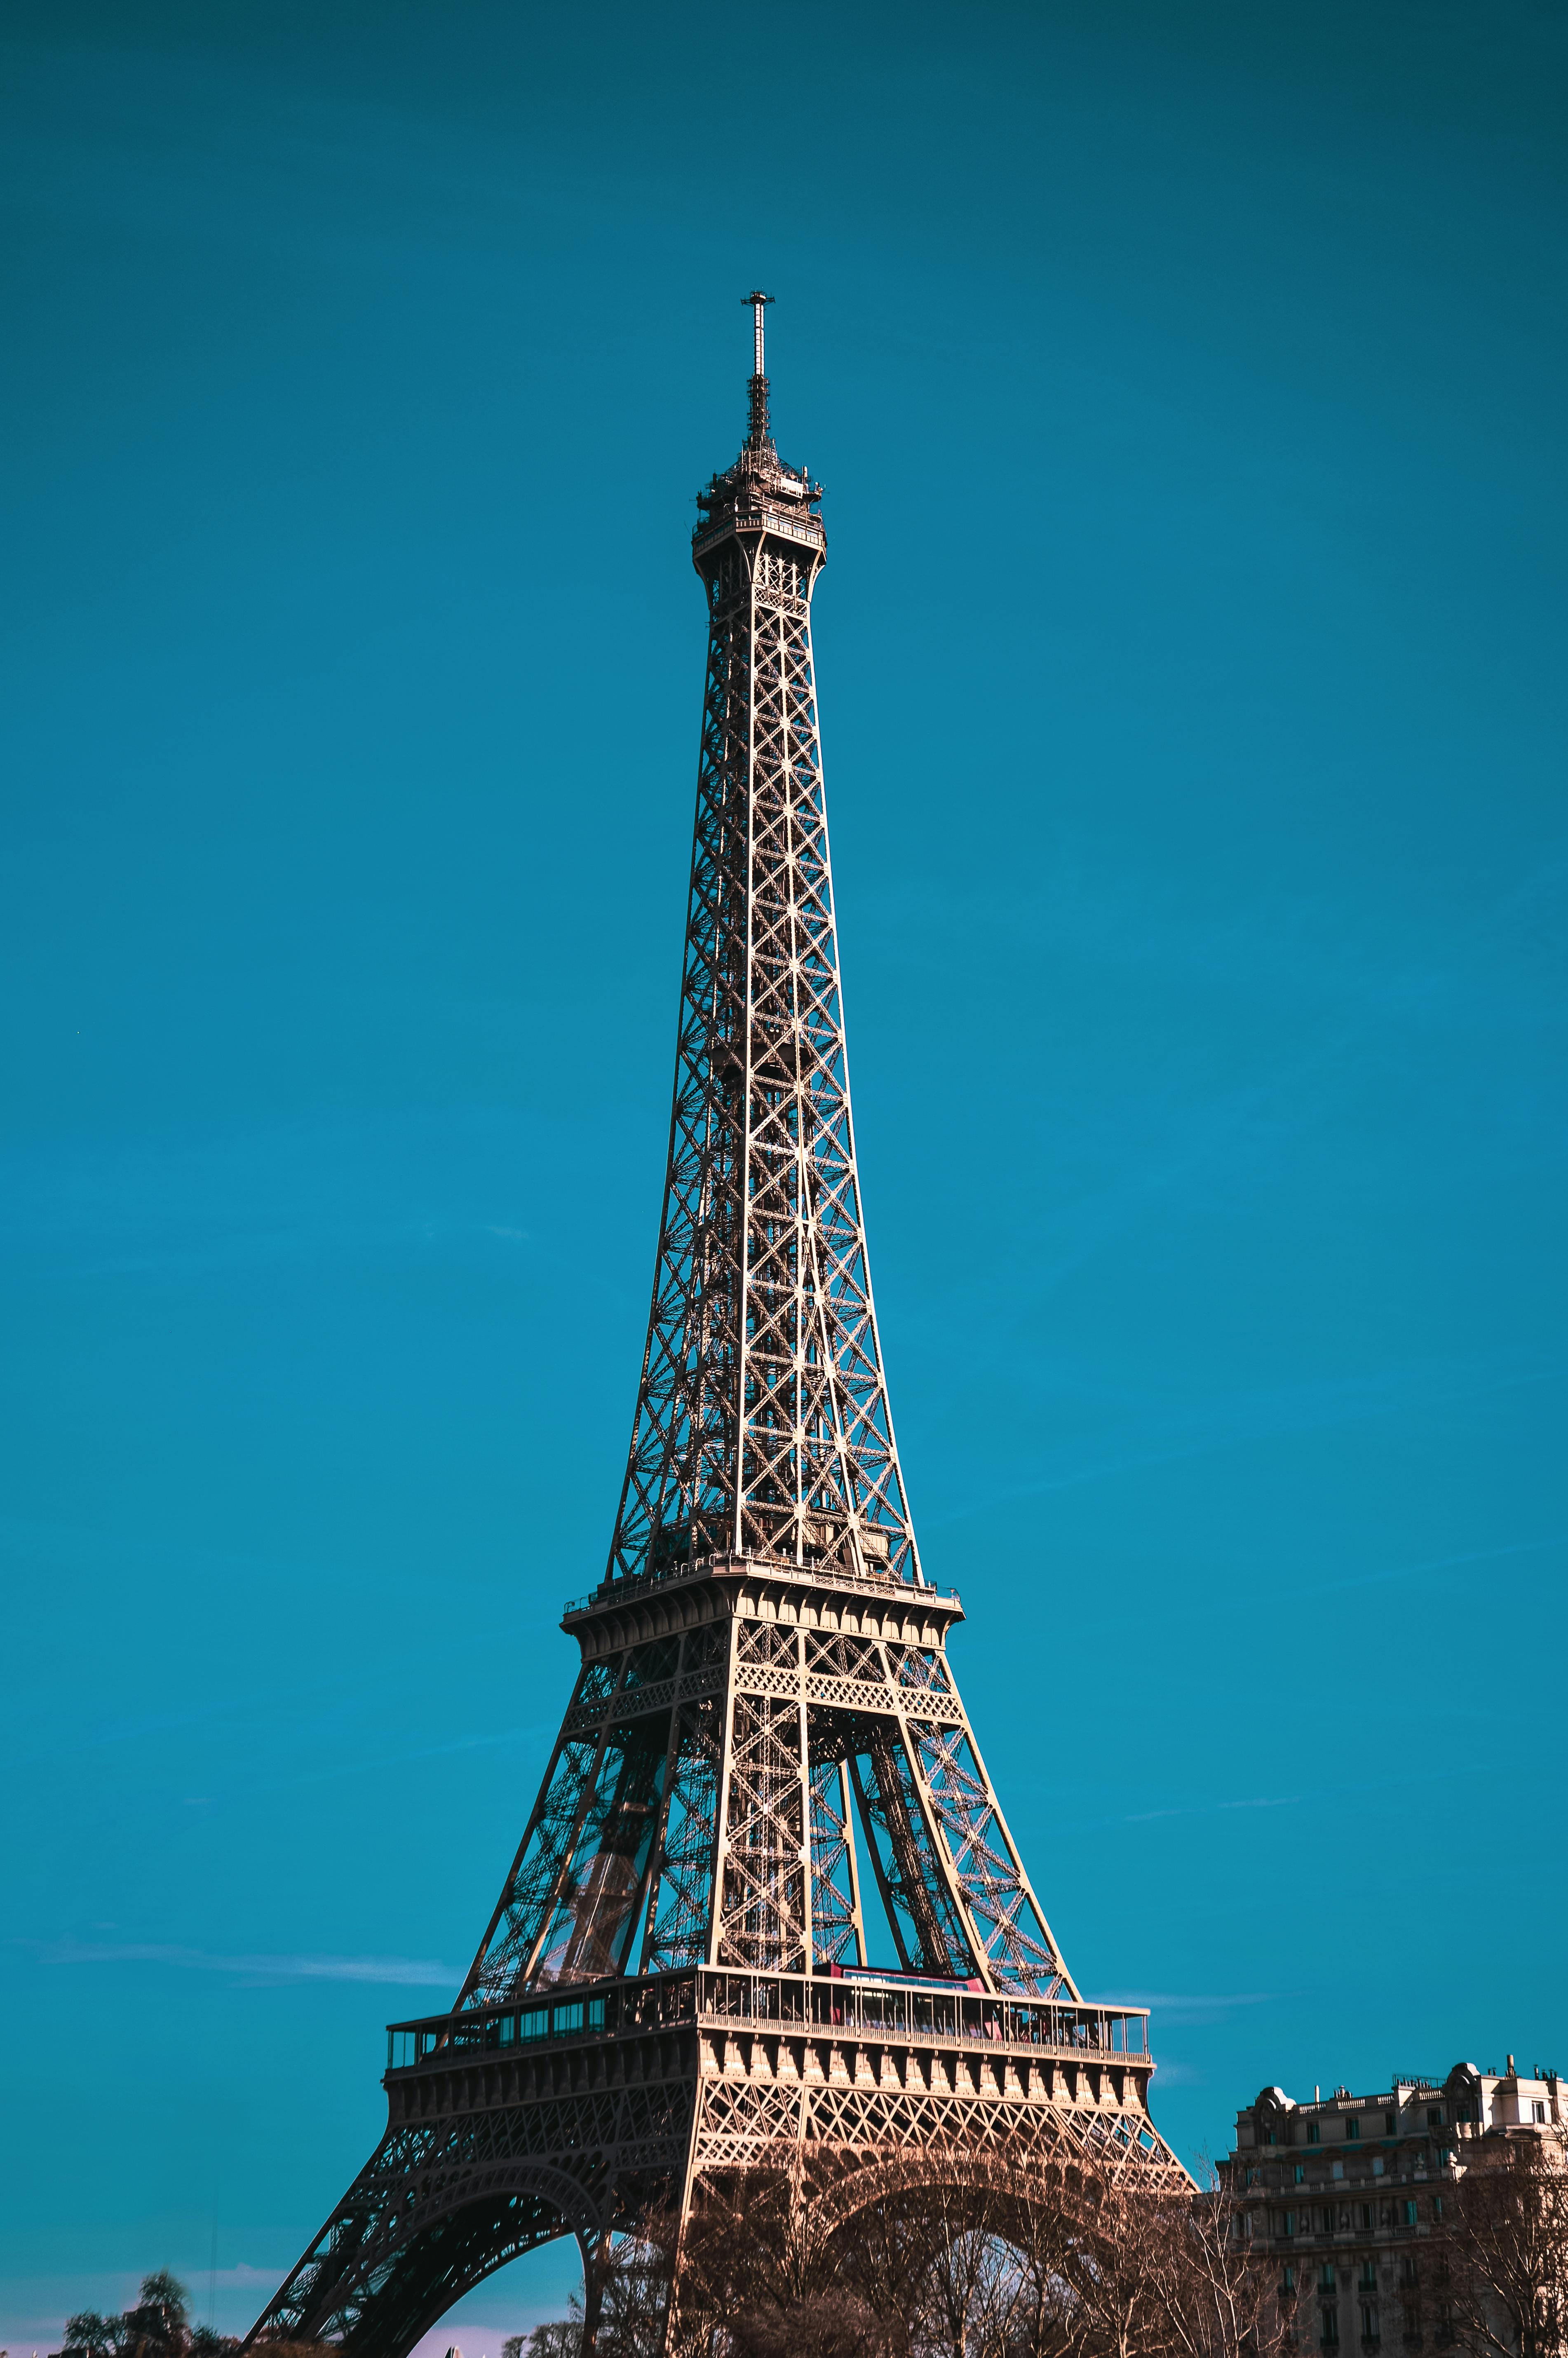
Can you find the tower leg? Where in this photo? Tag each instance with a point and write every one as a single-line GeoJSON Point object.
{"type": "Point", "coordinates": [596, 2255]}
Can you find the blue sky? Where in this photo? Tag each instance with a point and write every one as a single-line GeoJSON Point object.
{"type": "Point", "coordinates": [1188, 387]}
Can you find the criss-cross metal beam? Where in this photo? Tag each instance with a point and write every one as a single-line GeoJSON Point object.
{"type": "Point", "coordinates": [763, 1420]}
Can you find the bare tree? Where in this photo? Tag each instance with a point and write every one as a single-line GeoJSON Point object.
{"type": "Point", "coordinates": [1217, 2296]}
{"type": "Point", "coordinates": [635, 2295]}
{"type": "Point", "coordinates": [824, 2325]}
{"type": "Point", "coordinates": [560, 2337]}
{"type": "Point", "coordinates": [962, 2261]}
{"type": "Point", "coordinates": [755, 2251]}
{"type": "Point", "coordinates": [975, 2296]}
{"type": "Point", "coordinates": [631, 2275]}
{"type": "Point", "coordinates": [882, 2253]}
{"type": "Point", "coordinates": [1114, 2225]}
{"type": "Point", "coordinates": [1502, 2258]}
{"type": "Point", "coordinates": [1090, 2255]}
{"type": "Point", "coordinates": [984, 2255]}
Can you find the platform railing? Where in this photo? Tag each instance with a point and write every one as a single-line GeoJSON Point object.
{"type": "Point", "coordinates": [866, 1583]}
{"type": "Point", "coordinates": [858, 2003]}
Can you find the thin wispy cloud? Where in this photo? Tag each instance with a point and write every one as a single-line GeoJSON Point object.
{"type": "Point", "coordinates": [1423, 1781]}
{"type": "Point", "coordinates": [1227, 1420]}
{"type": "Point", "coordinates": [1178, 2007]}
{"type": "Point", "coordinates": [1208, 1809]}
{"type": "Point", "coordinates": [37, 2306]}
{"type": "Point", "coordinates": [1194, 2001]}
{"type": "Point", "coordinates": [1465, 1557]}
{"type": "Point", "coordinates": [421, 1972]}
{"type": "Point", "coordinates": [31, 1547]}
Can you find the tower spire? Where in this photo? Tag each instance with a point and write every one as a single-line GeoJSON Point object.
{"type": "Point", "coordinates": [758, 432]}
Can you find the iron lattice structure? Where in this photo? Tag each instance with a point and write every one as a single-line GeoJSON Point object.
{"type": "Point", "coordinates": [765, 1788]}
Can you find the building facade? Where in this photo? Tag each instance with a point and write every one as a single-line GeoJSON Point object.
{"type": "Point", "coordinates": [1345, 2194]}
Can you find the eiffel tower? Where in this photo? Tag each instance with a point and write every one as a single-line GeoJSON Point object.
{"type": "Point", "coordinates": [767, 1899]}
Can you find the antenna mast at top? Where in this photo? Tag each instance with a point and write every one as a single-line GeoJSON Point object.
{"type": "Point", "coordinates": [758, 431]}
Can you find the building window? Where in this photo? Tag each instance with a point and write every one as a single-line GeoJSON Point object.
{"type": "Point", "coordinates": [1412, 2214]}
{"type": "Point", "coordinates": [1366, 2209]}
{"type": "Point", "coordinates": [1288, 2280]}
{"type": "Point", "coordinates": [1337, 2170]}
{"type": "Point", "coordinates": [1537, 2112]}
{"type": "Point", "coordinates": [1325, 2276]}
{"type": "Point", "coordinates": [1391, 2121]}
{"type": "Point", "coordinates": [1412, 2321]}
{"type": "Point", "coordinates": [1407, 2269]}
{"type": "Point", "coordinates": [1437, 2206]}
{"type": "Point", "coordinates": [1369, 2322]}
{"type": "Point", "coordinates": [1290, 2223]}
{"type": "Point", "coordinates": [1352, 2127]}
{"type": "Point", "coordinates": [1269, 2137]}
{"type": "Point", "coordinates": [1368, 2276]}
{"type": "Point", "coordinates": [1312, 2132]}
{"type": "Point", "coordinates": [1329, 2337]}
{"type": "Point", "coordinates": [1434, 2116]}
{"type": "Point", "coordinates": [1301, 2174]}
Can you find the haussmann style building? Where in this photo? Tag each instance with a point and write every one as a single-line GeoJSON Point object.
{"type": "Point", "coordinates": [1346, 2193]}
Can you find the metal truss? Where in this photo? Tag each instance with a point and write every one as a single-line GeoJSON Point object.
{"type": "Point", "coordinates": [811, 1760]}
{"type": "Point", "coordinates": [763, 1420]}
{"type": "Point", "coordinates": [743, 2122]}
{"type": "Point", "coordinates": [765, 1790]}
{"type": "Point", "coordinates": [597, 2112]}
{"type": "Point", "coordinates": [446, 2201]}
{"type": "Point", "coordinates": [837, 1929]}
